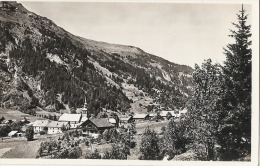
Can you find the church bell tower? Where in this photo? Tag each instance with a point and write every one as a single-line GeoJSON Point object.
{"type": "Point", "coordinates": [85, 110]}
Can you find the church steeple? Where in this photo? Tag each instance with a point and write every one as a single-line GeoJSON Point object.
{"type": "Point", "coordinates": [84, 110]}
{"type": "Point", "coordinates": [85, 103]}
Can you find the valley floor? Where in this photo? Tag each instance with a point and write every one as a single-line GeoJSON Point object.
{"type": "Point", "coordinates": [21, 148]}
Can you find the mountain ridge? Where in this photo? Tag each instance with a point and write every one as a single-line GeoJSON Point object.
{"type": "Point", "coordinates": [83, 67]}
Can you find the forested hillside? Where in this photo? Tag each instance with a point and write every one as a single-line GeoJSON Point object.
{"type": "Point", "coordinates": [41, 61]}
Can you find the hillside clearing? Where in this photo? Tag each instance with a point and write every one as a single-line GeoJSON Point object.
{"type": "Point", "coordinates": [15, 114]}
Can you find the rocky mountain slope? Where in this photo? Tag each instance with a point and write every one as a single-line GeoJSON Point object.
{"type": "Point", "coordinates": [43, 65]}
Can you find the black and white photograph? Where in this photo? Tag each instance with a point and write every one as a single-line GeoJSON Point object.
{"type": "Point", "coordinates": [145, 81]}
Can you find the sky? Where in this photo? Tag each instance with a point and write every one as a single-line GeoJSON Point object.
{"type": "Point", "coordinates": [181, 33]}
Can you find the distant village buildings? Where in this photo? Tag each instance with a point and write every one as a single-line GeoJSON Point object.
{"type": "Point", "coordinates": [96, 125]}
{"type": "Point", "coordinates": [128, 119]}
{"type": "Point", "coordinates": [40, 125]}
{"type": "Point", "coordinates": [140, 117]}
{"type": "Point", "coordinates": [55, 127]}
{"type": "Point", "coordinates": [90, 126]}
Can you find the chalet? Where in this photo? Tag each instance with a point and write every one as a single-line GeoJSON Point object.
{"type": "Point", "coordinates": [96, 125]}
{"type": "Point", "coordinates": [14, 134]}
{"type": "Point", "coordinates": [128, 119]}
{"type": "Point", "coordinates": [40, 125]}
{"type": "Point", "coordinates": [164, 113]}
{"type": "Point", "coordinates": [151, 115]}
{"type": "Point", "coordinates": [57, 127]}
{"type": "Point", "coordinates": [140, 117]}
{"type": "Point", "coordinates": [72, 119]}
{"type": "Point", "coordinates": [173, 113]}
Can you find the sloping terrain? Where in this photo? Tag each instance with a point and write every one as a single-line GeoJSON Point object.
{"type": "Point", "coordinates": [43, 65]}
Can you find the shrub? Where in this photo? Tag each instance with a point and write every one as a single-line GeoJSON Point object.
{"type": "Point", "coordinates": [174, 141]}
{"type": "Point", "coordinates": [106, 135]}
{"type": "Point", "coordinates": [132, 145]}
{"type": "Point", "coordinates": [149, 145]}
{"type": "Point", "coordinates": [4, 130]}
{"type": "Point", "coordinates": [116, 153]}
{"type": "Point", "coordinates": [94, 155]}
{"type": "Point", "coordinates": [75, 153]}
{"type": "Point", "coordinates": [29, 133]}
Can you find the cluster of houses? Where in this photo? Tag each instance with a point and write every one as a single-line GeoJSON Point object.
{"type": "Point", "coordinates": [89, 125]}
{"type": "Point", "coordinates": [93, 125]}
{"type": "Point", "coordinates": [163, 115]}
{"type": "Point", "coordinates": [75, 121]}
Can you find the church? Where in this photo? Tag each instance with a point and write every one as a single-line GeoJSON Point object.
{"type": "Point", "coordinates": [75, 120]}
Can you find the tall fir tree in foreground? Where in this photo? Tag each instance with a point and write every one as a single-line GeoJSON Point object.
{"type": "Point", "coordinates": [238, 67]}
{"type": "Point", "coordinates": [235, 135]}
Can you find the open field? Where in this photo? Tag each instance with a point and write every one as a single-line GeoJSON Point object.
{"type": "Point", "coordinates": [15, 114]}
{"type": "Point", "coordinates": [140, 103]}
{"type": "Point", "coordinates": [21, 148]}
{"type": "Point", "coordinates": [156, 126]}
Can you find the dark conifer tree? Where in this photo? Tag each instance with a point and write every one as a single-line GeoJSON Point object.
{"type": "Point", "coordinates": [235, 135]}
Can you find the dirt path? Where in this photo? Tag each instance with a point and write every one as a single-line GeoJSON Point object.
{"type": "Point", "coordinates": [3, 151]}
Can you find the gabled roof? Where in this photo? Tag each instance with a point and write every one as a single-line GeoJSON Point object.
{"type": "Point", "coordinates": [30, 124]}
{"type": "Point", "coordinates": [164, 113]}
{"type": "Point", "coordinates": [140, 116]}
{"type": "Point", "coordinates": [84, 118]}
{"type": "Point", "coordinates": [70, 118]}
{"type": "Point", "coordinates": [101, 122]}
{"type": "Point", "coordinates": [12, 133]}
{"type": "Point", "coordinates": [112, 120]}
{"type": "Point", "coordinates": [55, 124]}
{"type": "Point", "coordinates": [40, 123]}
{"type": "Point", "coordinates": [125, 118]}
{"type": "Point", "coordinates": [153, 114]}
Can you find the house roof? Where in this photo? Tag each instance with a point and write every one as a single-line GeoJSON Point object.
{"type": "Point", "coordinates": [84, 118]}
{"type": "Point", "coordinates": [112, 120]}
{"type": "Point", "coordinates": [125, 118]}
{"type": "Point", "coordinates": [41, 123]}
{"type": "Point", "coordinates": [30, 124]}
{"type": "Point", "coordinates": [12, 133]}
{"type": "Point", "coordinates": [140, 116]}
{"type": "Point", "coordinates": [152, 114]}
{"type": "Point", "coordinates": [164, 113]}
{"type": "Point", "coordinates": [101, 122]}
{"type": "Point", "coordinates": [55, 124]}
{"type": "Point", "coordinates": [70, 117]}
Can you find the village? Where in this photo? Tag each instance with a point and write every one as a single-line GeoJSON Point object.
{"type": "Point", "coordinates": [52, 125]}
